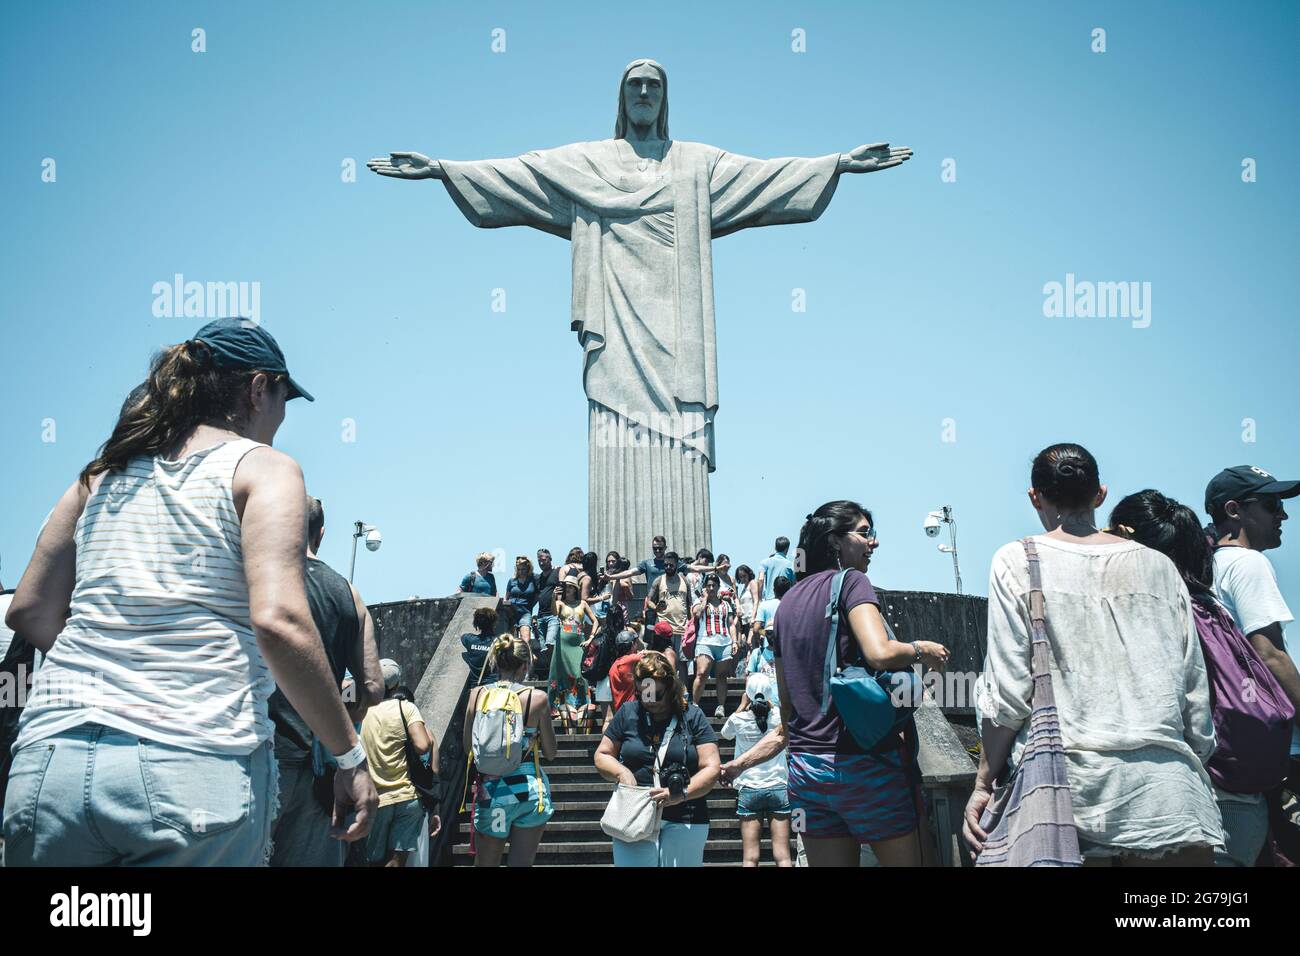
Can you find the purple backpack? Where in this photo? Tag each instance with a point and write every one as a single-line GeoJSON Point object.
{"type": "Point", "coordinates": [1252, 715]}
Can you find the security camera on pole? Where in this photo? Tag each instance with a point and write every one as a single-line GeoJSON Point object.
{"type": "Point", "coordinates": [932, 522]}
{"type": "Point", "coordinates": [373, 540]}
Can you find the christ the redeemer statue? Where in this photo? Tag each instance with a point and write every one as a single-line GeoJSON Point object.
{"type": "Point", "coordinates": [640, 211]}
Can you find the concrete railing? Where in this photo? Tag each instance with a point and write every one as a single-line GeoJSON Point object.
{"type": "Point", "coordinates": [947, 776]}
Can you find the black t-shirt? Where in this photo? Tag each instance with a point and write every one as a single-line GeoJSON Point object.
{"type": "Point", "coordinates": [475, 655]}
{"type": "Point", "coordinates": [546, 591]}
{"type": "Point", "coordinates": [639, 737]}
{"type": "Point", "coordinates": [329, 597]}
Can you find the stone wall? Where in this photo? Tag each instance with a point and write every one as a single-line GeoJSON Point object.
{"type": "Point", "coordinates": [957, 621]}
{"type": "Point", "coordinates": [409, 632]}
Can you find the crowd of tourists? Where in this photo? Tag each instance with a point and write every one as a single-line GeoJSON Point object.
{"type": "Point", "coordinates": [205, 691]}
{"type": "Point", "coordinates": [566, 614]}
{"type": "Point", "coordinates": [1170, 719]}
{"type": "Point", "coordinates": [578, 627]}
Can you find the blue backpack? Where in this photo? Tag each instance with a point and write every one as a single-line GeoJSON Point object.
{"type": "Point", "coordinates": [872, 704]}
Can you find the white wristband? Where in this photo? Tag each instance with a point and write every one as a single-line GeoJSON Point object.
{"type": "Point", "coordinates": [353, 758]}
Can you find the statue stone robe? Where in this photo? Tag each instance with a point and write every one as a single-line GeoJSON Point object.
{"type": "Point", "coordinates": [643, 304]}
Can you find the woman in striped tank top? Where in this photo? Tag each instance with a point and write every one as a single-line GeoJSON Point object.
{"type": "Point", "coordinates": [167, 593]}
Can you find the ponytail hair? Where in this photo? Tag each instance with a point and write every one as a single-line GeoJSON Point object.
{"type": "Point", "coordinates": [1066, 475]}
{"type": "Point", "coordinates": [184, 389]}
{"type": "Point", "coordinates": [758, 687]}
{"type": "Point", "coordinates": [508, 654]}
{"type": "Point", "coordinates": [1173, 529]}
{"type": "Point", "coordinates": [820, 537]}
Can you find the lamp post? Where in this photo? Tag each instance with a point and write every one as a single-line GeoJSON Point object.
{"type": "Point", "coordinates": [932, 522]}
{"type": "Point", "coordinates": [373, 540]}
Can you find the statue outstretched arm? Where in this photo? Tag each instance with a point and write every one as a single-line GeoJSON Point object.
{"type": "Point", "coordinates": [406, 166]}
{"type": "Point", "coordinates": [490, 192]}
{"type": "Point", "coordinates": [747, 192]}
{"type": "Point", "coordinates": [872, 158]}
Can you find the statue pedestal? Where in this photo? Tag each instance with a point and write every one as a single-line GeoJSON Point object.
{"type": "Point", "coordinates": [641, 484]}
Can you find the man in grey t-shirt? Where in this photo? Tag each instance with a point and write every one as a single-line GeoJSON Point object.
{"type": "Point", "coordinates": [300, 833]}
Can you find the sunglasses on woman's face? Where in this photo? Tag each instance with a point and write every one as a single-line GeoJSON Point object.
{"type": "Point", "coordinates": [868, 533]}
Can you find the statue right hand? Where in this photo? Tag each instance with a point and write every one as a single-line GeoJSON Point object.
{"type": "Point", "coordinates": [406, 166]}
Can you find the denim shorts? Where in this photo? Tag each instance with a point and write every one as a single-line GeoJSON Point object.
{"type": "Point", "coordinates": [522, 618]}
{"type": "Point", "coordinates": [752, 802]}
{"type": "Point", "coordinates": [396, 828]}
{"type": "Point", "coordinates": [95, 796]}
{"type": "Point", "coordinates": [720, 653]}
{"type": "Point", "coordinates": [548, 629]}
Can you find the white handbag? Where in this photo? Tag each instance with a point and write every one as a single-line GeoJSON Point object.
{"type": "Point", "coordinates": [631, 815]}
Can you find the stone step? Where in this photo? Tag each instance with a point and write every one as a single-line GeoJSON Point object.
{"type": "Point", "coordinates": [735, 689]}
{"type": "Point", "coordinates": [709, 682]}
{"type": "Point", "coordinates": [764, 862]}
{"type": "Point", "coordinates": [562, 785]}
{"type": "Point", "coordinates": [569, 829]}
{"type": "Point", "coordinates": [569, 739]}
{"type": "Point", "coordinates": [592, 810]}
{"type": "Point", "coordinates": [565, 736]}
{"type": "Point", "coordinates": [574, 740]}
{"type": "Point", "coordinates": [584, 772]}
{"type": "Point", "coordinates": [569, 756]}
{"type": "Point", "coordinates": [586, 853]}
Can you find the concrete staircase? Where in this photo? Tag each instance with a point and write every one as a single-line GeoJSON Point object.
{"type": "Point", "coordinates": [573, 836]}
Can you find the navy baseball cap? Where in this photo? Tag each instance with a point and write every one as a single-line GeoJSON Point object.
{"type": "Point", "coordinates": [1234, 484]}
{"type": "Point", "coordinates": [243, 344]}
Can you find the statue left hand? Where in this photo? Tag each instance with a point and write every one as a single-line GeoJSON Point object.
{"type": "Point", "coordinates": [873, 157]}
{"type": "Point", "coordinates": [406, 166]}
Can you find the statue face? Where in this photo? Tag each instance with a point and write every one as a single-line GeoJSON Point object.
{"type": "Point", "coordinates": [643, 94]}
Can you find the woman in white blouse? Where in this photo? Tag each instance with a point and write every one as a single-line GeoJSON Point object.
{"type": "Point", "coordinates": [1127, 672]}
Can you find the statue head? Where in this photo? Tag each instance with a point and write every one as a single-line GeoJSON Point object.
{"type": "Point", "coordinates": [642, 98]}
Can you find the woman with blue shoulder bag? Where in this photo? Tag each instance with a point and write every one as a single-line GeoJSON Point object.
{"type": "Point", "coordinates": [852, 769]}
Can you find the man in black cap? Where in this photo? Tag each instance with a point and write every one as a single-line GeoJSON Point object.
{"type": "Point", "coordinates": [1245, 504]}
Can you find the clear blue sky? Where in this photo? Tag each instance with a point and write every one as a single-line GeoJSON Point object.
{"type": "Point", "coordinates": [924, 298]}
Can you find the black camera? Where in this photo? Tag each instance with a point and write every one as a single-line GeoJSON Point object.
{"type": "Point", "coordinates": [675, 778]}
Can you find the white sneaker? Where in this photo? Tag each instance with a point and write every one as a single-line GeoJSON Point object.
{"type": "Point", "coordinates": [719, 712]}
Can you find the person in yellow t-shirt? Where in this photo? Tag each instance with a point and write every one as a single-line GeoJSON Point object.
{"type": "Point", "coordinates": [396, 831]}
